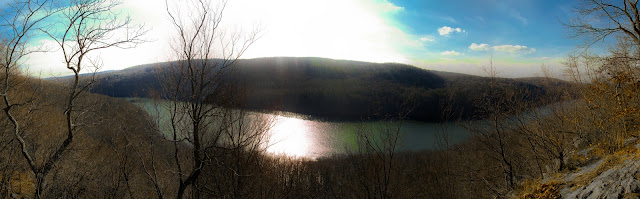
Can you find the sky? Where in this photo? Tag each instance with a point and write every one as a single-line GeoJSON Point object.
{"type": "Point", "coordinates": [457, 36]}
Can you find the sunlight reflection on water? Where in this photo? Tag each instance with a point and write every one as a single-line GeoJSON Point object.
{"type": "Point", "coordinates": [293, 136]}
{"type": "Point", "coordinates": [289, 136]}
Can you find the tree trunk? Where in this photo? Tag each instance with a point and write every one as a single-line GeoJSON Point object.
{"type": "Point", "coordinates": [41, 181]}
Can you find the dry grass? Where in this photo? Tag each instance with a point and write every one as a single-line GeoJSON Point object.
{"type": "Point", "coordinates": [22, 184]}
{"type": "Point", "coordinates": [534, 189]}
{"type": "Point", "coordinates": [630, 195]}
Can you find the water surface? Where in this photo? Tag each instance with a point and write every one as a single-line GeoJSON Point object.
{"type": "Point", "coordinates": [296, 135]}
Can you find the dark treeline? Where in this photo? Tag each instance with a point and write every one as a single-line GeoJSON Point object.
{"type": "Point", "coordinates": [337, 89]}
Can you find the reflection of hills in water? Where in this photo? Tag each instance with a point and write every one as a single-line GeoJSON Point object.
{"type": "Point", "coordinates": [294, 135]}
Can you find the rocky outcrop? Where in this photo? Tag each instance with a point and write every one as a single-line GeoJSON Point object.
{"type": "Point", "coordinates": [620, 181]}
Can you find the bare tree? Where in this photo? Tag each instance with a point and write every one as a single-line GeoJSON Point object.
{"type": "Point", "coordinates": [500, 102]}
{"type": "Point", "coordinates": [598, 19]}
{"type": "Point", "coordinates": [377, 144]}
{"type": "Point", "coordinates": [235, 171]}
{"type": "Point", "coordinates": [200, 88]}
{"type": "Point", "coordinates": [88, 26]}
{"type": "Point", "coordinates": [612, 93]}
{"type": "Point", "coordinates": [19, 22]}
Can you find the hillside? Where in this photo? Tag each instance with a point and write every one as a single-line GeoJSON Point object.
{"type": "Point", "coordinates": [101, 151]}
{"type": "Point", "coordinates": [335, 89]}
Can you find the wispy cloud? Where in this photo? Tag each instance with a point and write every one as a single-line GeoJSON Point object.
{"type": "Point", "coordinates": [390, 7]}
{"type": "Point", "coordinates": [450, 19]}
{"type": "Point", "coordinates": [479, 47]}
{"type": "Point", "coordinates": [450, 52]}
{"type": "Point", "coordinates": [446, 30]}
{"type": "Point", "coordinates": [502, 48]}
{"type": "Point", "coordinates": [427, 39]}
{"type": "Point", "coordinates": [514, 48]}
{"type": "Point", "coordinates": [516, 15]}
{"type": "Point", "coordinates": [480, 19]}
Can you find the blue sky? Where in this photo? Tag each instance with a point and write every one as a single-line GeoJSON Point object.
{"type": "Point", "coordinates": [531, 23]}
{"type": "Point", "coordinates": [521, 34]}
{"type": "Point", "coordinates": [454, 35]}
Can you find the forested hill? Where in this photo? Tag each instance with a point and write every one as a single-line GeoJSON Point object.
{"type": "Point", "coordinates": [336, 89]}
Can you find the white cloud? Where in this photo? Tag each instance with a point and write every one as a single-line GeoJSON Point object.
{"type": "Point", "coordinates": [427, 39]}
{"type": "Point", "coordinates": [390, 7]}
{"type": "Point", "coordinates": [446, 30]}
{"type": "Point", "coordinates": [479, 47]}
{"type": "Point", "coordinates": [450, 52]}
{"type": "Point", "coordinates": [514, 48]}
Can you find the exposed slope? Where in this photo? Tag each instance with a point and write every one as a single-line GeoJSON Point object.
{"type": "Point", "coordinates": [615, 175]}
{"type": "Point", "coordinates": [622, 181]}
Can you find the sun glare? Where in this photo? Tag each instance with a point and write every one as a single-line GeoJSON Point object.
{"type": "Point", "coordinates": [289, 136]}
{"type": "Point", "coordinates": [354, 30]}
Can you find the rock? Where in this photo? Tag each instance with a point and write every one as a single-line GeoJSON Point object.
{"type": "Point", "coordinates": [14, 195]}
{"type": "Point", "coordinates": [630, 140]}
{"type": "Point", "coordinates": [617, 182]}
{"type": "Point", "coordinates": [584, 152]}
{"type": "Point", "coordinates": [572, 176]}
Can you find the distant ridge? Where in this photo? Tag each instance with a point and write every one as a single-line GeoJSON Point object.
{"type": "Point", "coordinates": [332, 89]}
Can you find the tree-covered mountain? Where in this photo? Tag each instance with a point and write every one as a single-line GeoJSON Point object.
{"type": "Point", "coordinates": [336, 89]}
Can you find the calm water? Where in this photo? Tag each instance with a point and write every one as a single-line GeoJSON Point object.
{"type": "Point", "coordinates": [293, 135]}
